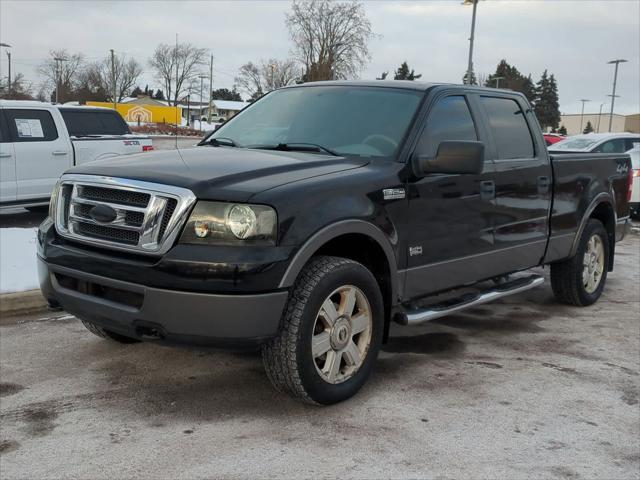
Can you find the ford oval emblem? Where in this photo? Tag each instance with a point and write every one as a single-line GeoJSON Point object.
{"type": "Point", "coordinates": [103, 213]}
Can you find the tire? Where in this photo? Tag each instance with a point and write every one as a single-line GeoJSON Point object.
{"type": "Point", "coordinates": [346, 338]}
{"type": "Point", "coordinates": [569, 279]}
{"type": "Point", "coordinates": [107, 334]}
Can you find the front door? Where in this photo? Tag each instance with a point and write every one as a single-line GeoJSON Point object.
{"type": "Point", "coordinates": [450, 216]}
{"type": "Point", "coordinates": [43, 152]}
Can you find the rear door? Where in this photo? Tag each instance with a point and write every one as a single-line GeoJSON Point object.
{"type": "Point", "coordinates": [450, 216]}
{"type": "Point", "coordinates": [7, 164]}
{"type": "Point", "coordinates": [523, 181]}
{"type": "Point", "coordinates": [42, 150]}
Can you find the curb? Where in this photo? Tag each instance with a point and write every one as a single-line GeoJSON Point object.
{"type": "Point", "coordinates": [12, 304]}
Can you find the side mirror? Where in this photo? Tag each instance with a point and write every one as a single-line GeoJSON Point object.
{"type": "Point", "coordinates": [453, 157]}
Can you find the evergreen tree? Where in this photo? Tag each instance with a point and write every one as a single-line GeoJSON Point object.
{"type": "Point", "coordinates": [159, 95]}
{"type": "Point", "coordinates": [383, 76]}
{"type": "Point", "coordinates": [546, 107]}
{"type": "Point", "coordinates": [147, 92]}
{"type": "Point", "coordinates": [588, 128]}
{"type": "Point", "coordinates": [562, 130]}
{"type": "Point", "coordinates": [511, 78]}
{"type": "Point", "coordinates": [403, 73]}
{"type": "Point", "coordinates": [226, 94]}
{"type": "Point", "coordinates": [136, 91]}
{"type": "Point", "coordinates": [474, 80]}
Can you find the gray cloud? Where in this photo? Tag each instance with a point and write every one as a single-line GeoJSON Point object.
{"type": "Point", "coordinates": [573, 39]}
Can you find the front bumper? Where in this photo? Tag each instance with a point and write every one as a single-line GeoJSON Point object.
{"type": "Point", "coordinates": [168, 316]}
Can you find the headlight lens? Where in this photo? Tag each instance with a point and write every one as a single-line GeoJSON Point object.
{"type": "Point", "coordinates": [219, 223]}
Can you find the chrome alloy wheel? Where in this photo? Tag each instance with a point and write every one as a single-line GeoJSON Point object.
{"type": "Point", "coordinates": [593, 264]}
{"type": "Point", "coordinates": [341, 334]}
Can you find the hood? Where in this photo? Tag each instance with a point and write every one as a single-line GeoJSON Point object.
{"type": "Point", "coordinates": [220, 173]}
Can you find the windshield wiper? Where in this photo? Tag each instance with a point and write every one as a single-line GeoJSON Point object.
{"type": "Point", "coordinates": [222, 142]}
{"type": "Point", "coordinates": [296, 147]}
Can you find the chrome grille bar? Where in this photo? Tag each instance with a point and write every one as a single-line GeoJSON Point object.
{"type": "Point", "coordinates": [149, 230]}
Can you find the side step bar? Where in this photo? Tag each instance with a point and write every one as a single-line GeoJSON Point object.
{"type": "Point", "coordinates": [413, 317]}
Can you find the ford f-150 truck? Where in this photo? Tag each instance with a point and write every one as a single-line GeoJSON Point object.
{"type": "Point", "coordinates": [39, 141]}
{"type": "Point", "coordinates": [323, 212]}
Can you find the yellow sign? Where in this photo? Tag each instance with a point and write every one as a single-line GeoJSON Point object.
{"type": "Point", "coordinates": [137, 113]}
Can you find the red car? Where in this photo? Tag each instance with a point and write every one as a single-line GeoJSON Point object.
{"type": "Point", "coordinates": [552, 138]}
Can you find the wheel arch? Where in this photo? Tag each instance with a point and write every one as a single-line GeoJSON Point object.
{"type": "Point", "coordinates": [601, 208]}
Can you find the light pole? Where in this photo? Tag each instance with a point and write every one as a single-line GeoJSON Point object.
{"type": "Point", "coordinates": [584, 100]}
{"type": "Point", "coordinates": [497, 80]}
{"type": "Point", "coordinates": [615, 80]}
{"type": "Point", "coordinates": [6, 45]}
{"type": "Point", "coordinates": [473, 31]}
{"type": "Point", "coordinates": [599, 116]}
{"type": "Point", "coordinates": [58, 61]}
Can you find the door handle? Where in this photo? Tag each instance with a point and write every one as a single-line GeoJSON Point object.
{"type": "Point", "coordinates": [58, 152]}
{"type": "Point", "coordinates": [543, 185]}
{"type": "Point", "coordinates": [4, 155]}
{"type": "Point", "coordinates": [487, 190]}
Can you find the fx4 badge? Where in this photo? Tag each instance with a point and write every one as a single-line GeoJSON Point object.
{"type": "Point", "coordinates": [393, 193]}
{"type": "Point", "coordinates": [413, 251]}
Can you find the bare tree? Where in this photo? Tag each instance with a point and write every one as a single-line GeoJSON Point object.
{"type": "Point", "coordinates": [175, 66]}
{"type": "Point", "coordinates": [100, 75]}
{"type": "Point", "coordinates": [63, 74]}
{"type": "Point", "coordinates": [330, 38]}
{"type": "Point", "coordinates": [258, 79]}
{"type": "Point", "coordinates": [20, 89]}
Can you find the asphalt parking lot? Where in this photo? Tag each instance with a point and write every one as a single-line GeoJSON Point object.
{"type": "Point", "coordinates": [522, 388]}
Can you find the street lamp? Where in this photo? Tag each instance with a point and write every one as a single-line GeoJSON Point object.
{"type": "Point", "coordinates": [584, 100]}
{"type": "Point", "coordinates": [615, 80]}
{"type": "Point", "coordinates": [6, 45]}
{"type": "Point", "coordinates": [201, 77]}
{"type": "Point", "coordinates": [599, 117]}
{"type": "Point", "coordinates": [473, 31]}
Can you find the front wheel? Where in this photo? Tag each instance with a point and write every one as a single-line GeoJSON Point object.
{"type": "Point", "coordinates": [580, 279]}
{"type": "Point", "coordinates": [331, 333]}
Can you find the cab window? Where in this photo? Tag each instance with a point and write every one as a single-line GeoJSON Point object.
{"type": "Point", "coordinates": [617, 145]}
{"type": "Point", "coordinates": [26, 125]}
{"type": "Point", "coordinates": [509, 128]}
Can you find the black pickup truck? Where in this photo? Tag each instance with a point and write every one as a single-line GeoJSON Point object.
{"type": "Point", "coordinates": [323, 212]}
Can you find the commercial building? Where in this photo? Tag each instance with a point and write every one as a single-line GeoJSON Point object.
{"type": "Point", "coordinates": [600, 123]}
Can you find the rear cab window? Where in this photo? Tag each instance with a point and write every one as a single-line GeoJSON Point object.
{"type": "Point", "coordinates": [31, 125]}
{"type": "Point", "coordinates": [82, 123]}
{"type": "Point", "coordinates": [509, 128]}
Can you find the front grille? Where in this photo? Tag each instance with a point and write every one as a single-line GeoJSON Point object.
{"type": "Point", "coordinates": [133, 216]}
{"type": "Point", "coordinates": [108, 233]}
{"type": "Point", "coordinates": [112, 195]}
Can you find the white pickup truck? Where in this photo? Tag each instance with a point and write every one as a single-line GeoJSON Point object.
{"type": "Point", "coordinates": [39, 141]}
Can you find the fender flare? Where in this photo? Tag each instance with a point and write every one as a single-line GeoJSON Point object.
{"type": "Point", "coordinates": [603, 197]}
{"type": "Point", "coordinates": [335, 230]}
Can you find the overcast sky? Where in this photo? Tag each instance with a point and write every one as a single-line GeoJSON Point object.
{"type": "Point", "coordinates": [571, 38]}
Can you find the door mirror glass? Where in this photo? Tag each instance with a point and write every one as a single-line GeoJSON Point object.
{"type": "Point", "coordinates": [452, 157]}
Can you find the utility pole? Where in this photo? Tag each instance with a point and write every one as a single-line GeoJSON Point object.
{"type": "Point", "coordinates": [202, 77]}
{"type": "Point", "coordinates": [584, 100]}
{"type": "Point", "coordinates": [6, 45]}
{"type": "Point", "coordinates": [615, 80]}
{"type": "Point", "coordinates": [175, 58]}
{"type": "Point", "coordinates": [210, 88]}
{"type": "Point", "coordinates": [58, 61]}
{"type": "Point", "coordinates": [113, 80]}
{"type": "Point", "coordinates": [471, 38]}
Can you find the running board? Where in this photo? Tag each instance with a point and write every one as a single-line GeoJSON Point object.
{"type": "Point", "coordinates": [413, 317]}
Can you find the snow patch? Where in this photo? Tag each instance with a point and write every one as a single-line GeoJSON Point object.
{"type": "Point", "coordinates": [18, 265]}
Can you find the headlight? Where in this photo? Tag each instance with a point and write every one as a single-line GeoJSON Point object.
{"type": "Point", "coordinates": [54, 200]}
{"type": "Point", "coordinates": [218, 223]}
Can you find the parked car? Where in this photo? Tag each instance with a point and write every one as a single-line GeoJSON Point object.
{"type": "Point", "coordinates": [321, 213]}
{"type": "Point", "coordinates": [39, 141]}
{"type": "Point", "coordinates": [551, 138]}
{"type": "Point", "coordinates": [597, 143]}
{"type": "Point", "coordinates": [635, 193]}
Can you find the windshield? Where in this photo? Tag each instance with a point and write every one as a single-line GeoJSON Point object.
{"type": "Point", "coordinates": [574, 144]}
{"type": "Point", "coordinates": [347, 120]}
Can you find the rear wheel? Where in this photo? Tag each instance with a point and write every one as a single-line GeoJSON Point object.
{"type": "Point", "coordinates": [581, 279]}
{"type": "Point", "coordinates": [107, 334]}
{"type": "Point", "coordinates": [331, 333]}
